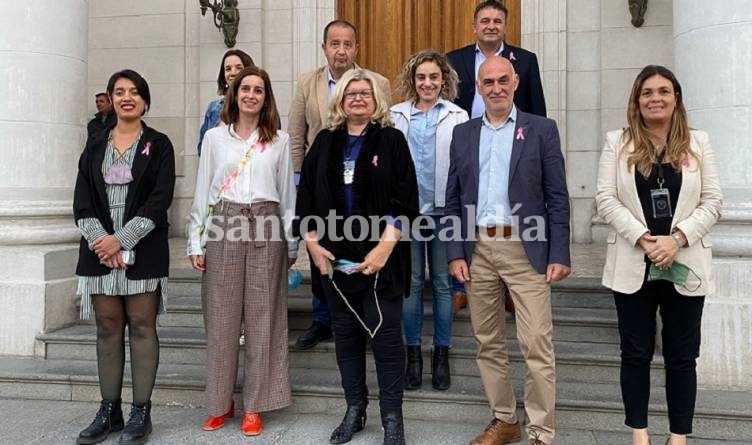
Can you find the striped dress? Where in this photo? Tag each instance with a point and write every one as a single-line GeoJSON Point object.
{"type": "Point", "coordinates": [129, 234]}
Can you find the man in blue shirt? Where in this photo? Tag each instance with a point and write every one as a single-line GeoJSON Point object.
{"type": "Point", "coordinates": [507, 196]}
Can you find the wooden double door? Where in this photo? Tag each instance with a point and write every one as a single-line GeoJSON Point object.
{"type": "Point", "coordinates": [391, 30]}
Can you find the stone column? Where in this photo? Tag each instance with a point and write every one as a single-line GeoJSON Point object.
{"type": "Point", "coordinates": [712, 57]}
{"type": "Point", "coordinates": [42, 117]}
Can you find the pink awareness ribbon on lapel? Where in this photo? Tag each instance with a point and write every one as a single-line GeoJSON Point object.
{"type": "Point", "coordinates": [511, 56]}
{"type": "Point", "coordinates": [147, 149]}
{"type": "Point", "coordinates": [375, 160]}
{"type": "Point", "coordinates": [520, 134]}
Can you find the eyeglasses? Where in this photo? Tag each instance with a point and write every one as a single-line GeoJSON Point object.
{"type": "Point", "coordinates": [364, 94]}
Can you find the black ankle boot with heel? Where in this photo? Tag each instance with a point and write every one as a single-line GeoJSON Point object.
{"type": "Point", "coordinates": [109, 418]}
{"type": "Point", "coordinates": [354, 421]}
{"type": "Point", "coordinates": [440, 378]}
{"type": "Point", "coordinates": [394, 429]}
{"type": "Point", "coordinates": [414, 372]}
{"type": "Point", "coordinates": [138, 428]}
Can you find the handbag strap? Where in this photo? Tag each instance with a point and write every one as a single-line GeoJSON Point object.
{"type": "Point", "coordinates": [232, 177]}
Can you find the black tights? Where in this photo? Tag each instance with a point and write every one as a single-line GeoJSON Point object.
{"type": "Point", "coordinates": [139, 312]}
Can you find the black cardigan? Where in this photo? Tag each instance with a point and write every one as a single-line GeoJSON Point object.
{"type": "Point", "coordinates": [149, 196]}
{"type": "Point", "coordinates": [384, 184]}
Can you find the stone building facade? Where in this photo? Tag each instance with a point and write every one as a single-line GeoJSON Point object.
{"type": "Point", "coordinates": [57, 55]}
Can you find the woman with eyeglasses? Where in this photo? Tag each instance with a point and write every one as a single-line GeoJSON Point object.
{"type": "Point", "coordinates": [126, 177]}
{"type": "Point", "coordinates": [360, 169]}
{"type": "Point", "coordinates": [659, 191]}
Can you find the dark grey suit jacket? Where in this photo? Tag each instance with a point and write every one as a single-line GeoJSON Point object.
{"type": "Point", "coordinates": [537, 181]}
{"type": "Point", "coordinates": [529, 94]}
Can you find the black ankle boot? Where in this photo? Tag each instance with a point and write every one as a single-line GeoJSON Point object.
{"type": "Point", "coordinates": [394, 429]}
{"type": "Point", "coordinates": [109, 418]}
{"type": "Point", "coordinates": [414, 373]}
{"type": "Point", "coordinates": [354, 421]}
{"type": "Point", "coordinates": [138, 428]}
{"type": "Point", "coordinates": [440, 368]}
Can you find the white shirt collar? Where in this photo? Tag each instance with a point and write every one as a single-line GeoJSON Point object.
{"type": "Point", "coordinates": [498, 53]}
{"type": "Point", "coordinates": [512, 117]}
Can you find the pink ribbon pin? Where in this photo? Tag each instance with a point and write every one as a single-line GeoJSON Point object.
{"type": "Point", "coordinates": [520, 134]}
{"type": "Point", "coordinates": [375, 160]}
{"type": "Point", "coordinates": [147, 149]}
{"type": "Point", "coordinates": [511, 56]}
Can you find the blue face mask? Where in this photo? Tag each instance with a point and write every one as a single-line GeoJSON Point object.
{"type": "Point", "coordinates": [346, 267]}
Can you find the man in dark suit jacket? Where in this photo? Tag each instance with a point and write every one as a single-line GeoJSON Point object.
{"type": "Point", "coordinates": [489, 23]}
{"type": "Point", "coordinates": [507, 188]}
{"type": "Point", "coordinates": [105, 116]}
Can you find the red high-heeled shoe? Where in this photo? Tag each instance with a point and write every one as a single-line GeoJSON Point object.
{"type": "Point", "coordinates": [215, 423]}
{"type": "Point", "coordinates": [251, 424]}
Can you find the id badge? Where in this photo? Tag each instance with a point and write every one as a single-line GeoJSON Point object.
{"type": "Point", "coordinates": [349, 173]}
{"type": "Point", "coordinates": [661, 201]}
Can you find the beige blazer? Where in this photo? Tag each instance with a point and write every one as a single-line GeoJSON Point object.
{"type": "Point", "coordinates": [309, 110]}
{"type": "Point", "coordinates": [697, 210]}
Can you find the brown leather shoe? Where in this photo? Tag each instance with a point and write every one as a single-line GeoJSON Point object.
{"type": "Point", "coordinates": [459, 301]}
{"type": "Point", "coordinates": [509, 304]}
{"type": "Point", "coordinates": [499, 433]}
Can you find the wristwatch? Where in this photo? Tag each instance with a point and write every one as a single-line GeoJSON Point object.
{"type": "Point", "coordinates": [678, 238]}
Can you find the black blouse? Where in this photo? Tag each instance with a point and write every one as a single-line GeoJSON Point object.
{"type": "Point", "coordinates": [384, 184]}
{"type": "Point", "coordinates": [673, 181]}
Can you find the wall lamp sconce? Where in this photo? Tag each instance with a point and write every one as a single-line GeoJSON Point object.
{"type": "Point", "coordinates": [226, 17]}
{"type": "Point", "coordinates": [638, 8]}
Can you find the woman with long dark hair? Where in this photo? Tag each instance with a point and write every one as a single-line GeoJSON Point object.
{"type": "Point", "coordinates": [658, 190]}
{"type": "Point", "coordinates": [126, 177]}
{"type": "Point", "coordinates": [233, 62]}
{"type": "Point", "coordinates": [245, 185]}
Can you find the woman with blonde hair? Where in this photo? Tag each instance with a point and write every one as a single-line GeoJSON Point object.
{"type": "Point", "coordinates": [658, 190]}
{"type": "Point", "coordinates": [360, 169]}
{"type": "Point", "coordinates": [427, 119]}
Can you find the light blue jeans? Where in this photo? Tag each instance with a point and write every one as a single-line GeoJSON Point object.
{"type": "Point", "coordinates": [412, 309]}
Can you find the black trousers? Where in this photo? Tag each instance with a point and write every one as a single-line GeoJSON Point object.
{"type": "Point", "coordinates": [350, 340]}
{"type": "Point", "coordinates": [681, 318]}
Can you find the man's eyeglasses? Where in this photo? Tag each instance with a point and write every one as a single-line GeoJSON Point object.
{"type": "Point", "coordinates": [364, 94]}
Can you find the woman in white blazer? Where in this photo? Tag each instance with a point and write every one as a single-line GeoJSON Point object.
{"type": "Point", "coordinates": [427, 120]}
{"type": "Point", "coordinates": [658, 190]}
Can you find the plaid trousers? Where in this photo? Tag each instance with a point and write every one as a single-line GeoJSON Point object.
{"type": "Point", "coordinates": [246, 280]}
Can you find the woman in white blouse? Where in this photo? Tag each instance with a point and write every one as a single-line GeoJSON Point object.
{"type": "Point", "coordinates": [243, 203]}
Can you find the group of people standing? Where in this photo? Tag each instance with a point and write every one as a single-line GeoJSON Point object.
{"type": "Point", "coordinates": [470, 151]}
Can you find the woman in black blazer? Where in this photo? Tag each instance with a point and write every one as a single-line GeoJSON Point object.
{"type": "Point", "coordinates": [126, 177]}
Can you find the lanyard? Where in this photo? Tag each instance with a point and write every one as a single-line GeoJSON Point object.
{"type": "Point", "coordinates": [373, 332]}
{"type": "Point", "coordinates": [661, 180]}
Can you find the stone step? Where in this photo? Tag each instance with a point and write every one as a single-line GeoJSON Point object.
{"type": "Point", "coordinates": [572, 292]}
{"type": "Point", "coordinates": [576, 324]}
{"type": "Point", "coordinates": [576, 361]}
{"type": "Point", "coordinates": [723, 415]}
